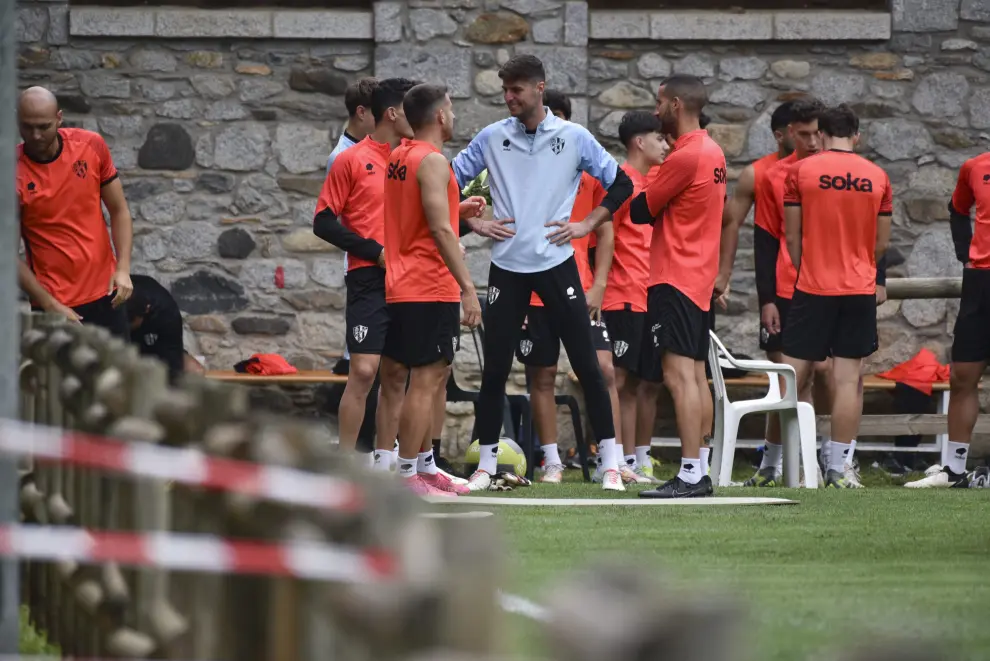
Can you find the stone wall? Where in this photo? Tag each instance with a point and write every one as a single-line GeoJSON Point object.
{"type": "Point", "coordinates": [220, 122]}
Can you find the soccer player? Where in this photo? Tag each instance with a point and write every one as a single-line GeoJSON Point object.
{"type": "Point", "coordinates": [625, 294]}
{"type": "Point", "coordinates": [156, 325]}
{"type": "Point", "coordinates": [360, 122]}
{"type": "Point", "coordinates": [684, 203]}
{"type": "Point", "coordinates": [752, 185]}
{"type": "Point", "coordinates": [837, 213]}
{"type": "Point", "coordinates": [426, 278]}
{"type": "Point", "coordinates": [534, 162]}
{"type": "Point", "coordinates": [539, 348]}
{"type": "Point", "coordinates": [350, 215]}
{"type": "Point", "coordinates": [971, 335]}
{"type": "Point", "coordinates": [360, 116]}
{"type": "Point", "coordinates": [775, 274]}
{"type": "Point", "coordinates": [64, 177]}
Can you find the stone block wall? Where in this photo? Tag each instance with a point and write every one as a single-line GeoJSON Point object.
{"type": "Point", "coordinates": [220, 122]}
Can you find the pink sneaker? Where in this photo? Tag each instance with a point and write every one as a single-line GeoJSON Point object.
{"type": "Point", "coordinates": [444, 483]}
{"type": "Point", "coordinates": [421, 487]}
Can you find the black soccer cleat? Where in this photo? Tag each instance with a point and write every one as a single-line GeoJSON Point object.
{"type": "Point", "coordinates": [678, 488]}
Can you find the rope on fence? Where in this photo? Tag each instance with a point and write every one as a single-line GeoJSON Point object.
{"type": "Point", "coordinates": [197, 553]}
{"type": "Point", "coordinates": [184, 465]}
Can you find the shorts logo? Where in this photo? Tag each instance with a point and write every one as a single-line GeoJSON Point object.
{"type": "Point", "coordinates": [557, 145]}
{"type": "Point", "coordinates": [359, 333]}
{"type": "Point", "coordinates": [605, 333]}
{"type": "Point", "coordinates": [621, 348]}
{"type": "Point", "coordinates": [570, 293]}
{"type": "Point", "coordinates": [150, 339]}
{"type": "Point", "coordinates": [764, 334]}
{"type": "Point", "coordinates": [525, 347]}
{"type": "Point", "coordinates": [455, 342]}
{"type": "Point", "coordinates": [493, 293]}
{"type": "Point", "coordinates": [80, 168]}
{"type": "Point", "coordinates": [655, 330]}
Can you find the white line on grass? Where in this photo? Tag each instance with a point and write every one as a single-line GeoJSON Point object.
{"type": "Point", "coordinates": [606, 502]}
{"type": "Point", "coordinates": [513, 603]}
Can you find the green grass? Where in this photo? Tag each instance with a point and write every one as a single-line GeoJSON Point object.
{"type": "Point", "coordinates": [839, 567]}
{"type": "Point", "coordinates": [31, 641]}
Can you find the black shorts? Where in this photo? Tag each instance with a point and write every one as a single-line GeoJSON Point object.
{"type": "Point", "coordinates": [823, 326]}
{"type": "Point", "coordinates": [366, 314]}
{"type": "Point", "coordinates": [630, 341]}
{"type": "Point", "coordinates": [422, 333]}
{"type": "Point", "coordinates": [539, 343]}
{"type": "Point", "coordinates": [971, 335]}
{"type": "Point", "coordinates": [102, 313]}
{"type": "Point", "coordinates": [677, 324]}
{"type": "Point", "coordinates": [775, 343]}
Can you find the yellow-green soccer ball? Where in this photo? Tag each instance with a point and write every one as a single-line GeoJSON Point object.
{"type": "Point", "coordinates": [511, 458]}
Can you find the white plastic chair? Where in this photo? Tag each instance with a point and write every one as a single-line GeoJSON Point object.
{"type": "Point", "coordinates": [797, 419]}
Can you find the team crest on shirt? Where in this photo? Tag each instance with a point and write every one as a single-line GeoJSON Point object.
{"type": "Point", "coordinates": [621, 348]}
{"type": "Point", "coordinates": [370, 167]}
{"type": "Point", "coordinates": [557, 145]}
{"type": "Point", "coordinates": [150, 339]}
{"type": "Point", "coordinates": [359, 333]}
{"type": "Point", "coordinates": [525, 347]}
{"type": "Point", "coordinates": [493, 293]}
{"type": "Point", "coordinates": [80, 168]}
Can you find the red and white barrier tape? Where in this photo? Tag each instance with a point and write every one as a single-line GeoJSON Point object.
{"type": "Point", "coordinates": [197, 553]}
{"type": "Point", "coordinates": [183, 465]}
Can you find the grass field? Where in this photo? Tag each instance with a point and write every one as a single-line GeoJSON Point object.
{"type": "Point", "coordinates": [840, 567]}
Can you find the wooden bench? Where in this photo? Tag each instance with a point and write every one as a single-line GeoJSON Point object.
{"type": "Point", "coordinates": [302, 377]}
{"type": "Point", "coordinates": [870, 425]}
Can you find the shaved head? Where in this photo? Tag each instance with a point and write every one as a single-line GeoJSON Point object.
{"type": "Point", "coordinates": [37, 100]}
{"type": "Point", "coordinates": [39, 119]}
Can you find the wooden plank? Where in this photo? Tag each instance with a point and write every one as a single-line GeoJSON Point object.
{"type": "Point", "coordinates": [897, 425]}
{"type": "Point", "coordinates": [754, 443]}
{"type": "Point", "coordinates": [918, 288]}
{"type": "Point", "coordinates": [870, 382]}
{"type": "Point", "coordinates": [299, 378]}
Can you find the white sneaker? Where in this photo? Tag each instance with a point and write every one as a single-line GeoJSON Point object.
{"type": "Point", "coordinates": [480, 481]}
{"type": "Point", "coordinates": [612, 481]}
{"type": "Point", "coordinates": [641, 471]}
{"type": "Point", "coordinates": [941, 479]}
{"type": "Point", "coordinates": [553, 474]}
{"type": "Point", "coordinates": [851, 473]}
{"type": "Point", "coordinates": [460, 481]}
{"type": "Point", "coordinates": [630, 476]}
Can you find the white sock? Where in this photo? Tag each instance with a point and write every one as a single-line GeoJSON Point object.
{"type": "Point", "coordinates": [826, 449]}
{"type": "Point", "coordinates": [838, 454]}
{"type": "Point", "coordinates": [407, 467]}
{"type": "Point", "coordinates": [958, 452]}
{"type": "Point", "coordinates": [382, 461]}
{"type": "Point", "coordinates": [773, 456]}
{"type": "Point", "coordinates": [426, 463]}
{"type": "Point", "coordinates": [705, 455]}
{"type": "Point", "coordinates": [488, 458]}
{"type": "Point", "coordinates": [551, 457]}
{"type": "Point", "coordinates": [852, 451]}
{"type": "Point", "coordinates": [630, 461]}
{"type": "Point", "coordinates": [610, 454]}
{"type": "Point", "coordinates": [598, 459]}
{"type": "Point", "coordinates": [643, 456]}
{"type": "Point", "coordinates": [690, 470]}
